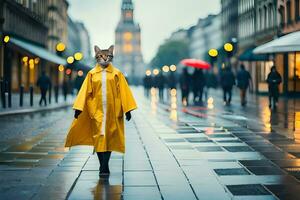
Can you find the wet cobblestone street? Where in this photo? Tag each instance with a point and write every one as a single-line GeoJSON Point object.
{"type": "Point", "coordinates": [168, 156]}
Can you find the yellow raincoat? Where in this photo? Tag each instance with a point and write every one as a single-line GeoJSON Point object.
{"type": "Point", "coordinates": [88, 129]}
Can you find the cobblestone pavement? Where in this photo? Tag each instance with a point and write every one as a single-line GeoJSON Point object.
{"type": "Point", "coordinates": [170, 155]}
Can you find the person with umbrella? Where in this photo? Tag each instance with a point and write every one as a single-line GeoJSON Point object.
{"type": "Point", "coordinates": [198, 77]}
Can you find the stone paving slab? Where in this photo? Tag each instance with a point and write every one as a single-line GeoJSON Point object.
{"type": "Point", "coordinates": [162, 161]}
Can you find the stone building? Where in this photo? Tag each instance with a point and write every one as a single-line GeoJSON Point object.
{"type": "Point", "coordinates": [32, 29]}
{"type": "Point", "coordinates": [128, 56]}
{"type": "Point", "coordinates": [206, 35]}
{"type": "Point", "coordinates": [271, 20]}
{"type": "Point", "coordinates": [229, 15]}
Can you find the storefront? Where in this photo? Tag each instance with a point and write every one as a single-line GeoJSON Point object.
{"type": "Point", "coordinates": [259, 68]}
{"type": "Point", "coordinates": [25, 61]}
{"type": "Point", "coordinates": [284, 52]}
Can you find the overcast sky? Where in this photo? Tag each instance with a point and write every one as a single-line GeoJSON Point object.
{"type": "Point", "coordinates": [157, 19]}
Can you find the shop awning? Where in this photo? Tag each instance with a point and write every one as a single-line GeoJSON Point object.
{"type": "Point", "coordinates": [38, 51]}
{"type": "Point", "coordinates": [287, 43]}
{"type": "Point", "coordinates": [248, 55]}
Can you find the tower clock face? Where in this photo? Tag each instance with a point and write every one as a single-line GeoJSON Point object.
{"type": "Point", "coordinates": [127, 36]}
{"type": "Point", "coordinates": [128, 14]}
{"type": "Point", "coordinates": [127, 48]}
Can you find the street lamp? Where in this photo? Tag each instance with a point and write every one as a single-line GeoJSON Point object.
{"type": "Point", "coordinates": [166, 68]}
{"type": "Point", "coordinates": [148, 72]}
{"type": "Point", "coordinates": [173, 68]}
{"type": "Point", "coordinates": [228, 47]}
{"type": "Point", "coordinates": [70, 59]}
{"type": "Point", "coordinates": [213, 53]}
{"type": "Point", "coordinates": [78, 56]}
{"type": "Point", "coordinates": [61, 68]}
{"type": "Point", "coordinates": [155, 72]}
{"type": "Point", "coordinates": [60, 47]}
{"type": "Point", "coordinates": [6, 39]}
{"type": "Point", "coordinates": [80, 73]}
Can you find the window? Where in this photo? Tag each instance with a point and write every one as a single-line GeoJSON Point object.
{"type": "Point", "coordinates": [127, 48]}
{"type": "Point", "coordinates": [266, 20]}
{"type": "Point", "coordinates": [271, 18]}
{"type": "Point", "coordinates": [282, 16]}
{"type": "Point", "coordinates": [288, 8]}
{"type": "Point", "coordinates": [297, 17]}
{"type": "Point", "coordinates": [127, 36]}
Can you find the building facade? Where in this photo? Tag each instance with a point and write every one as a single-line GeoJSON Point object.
{"type": "Point", "coordinates": [261, 21]}
{"type": "Point", "coordinates": [34, 27]}
{"type": "Point", "coordinates": [56, 20]}
{"type": "Point", "coordinates": [229, 15]}
{"type": "Point", "coordinates": [85, 41]}
{"type": "Point", "coordinates": [128, 56]}
{"type": "Point", "coordinates": [206, 35]}
{"type": "Point", "coordinates": [289, 21]}
{"type": "Point", "coordinates": [23, 20]}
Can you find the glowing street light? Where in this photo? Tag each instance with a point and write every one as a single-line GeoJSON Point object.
{"type": "Point", "coordinates": [213, 53]}
{"type": "Point", "coordinates": [68, 71]}
{"type": "Point", "coordinates": [31, 64]}
{"type": "Point", "coordinates": [165, 68]}
{"type": "Point", "coordinates": [228, 47]}
{"type": "Point", "coordinates": [173, 68]}
{"type": "Point", "coordinates": [70, 59]}
{"type": "Point", "coordinates": [78, 56]}
{"type": "Point", "coordinates": [155, 72]}
{"type": "Point", "coordinates": [36, 60]}
{"type": "Point", "coordinates": [80, 73]}
{"type": "Point", "coordinates": [148, 72]}
{"type": "Point", "coordinates": [61, 68]}
{"type": "Point", "coordinates": [60, 47]}
{"type": "Point", "coordinates": [6, 39]}
{"type": "Point", "coordinates": [25, 59]}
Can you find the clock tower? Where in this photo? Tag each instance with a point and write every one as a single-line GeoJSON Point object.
{"type": "Point", "coordinates": [128, 57]}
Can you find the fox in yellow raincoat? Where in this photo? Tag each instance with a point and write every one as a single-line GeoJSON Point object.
{"type": "Point", "coordinates": [99, 107]}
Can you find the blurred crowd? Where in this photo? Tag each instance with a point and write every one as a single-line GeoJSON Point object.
{"type": "Point", "coordinates": [200, 83]}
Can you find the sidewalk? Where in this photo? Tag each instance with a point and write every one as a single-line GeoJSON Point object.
{"type": "Point", "coordinates": [193, 158]}
{"type": "Point", "coordinates": [26, 108]}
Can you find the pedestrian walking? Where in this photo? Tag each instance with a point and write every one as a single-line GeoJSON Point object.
{"type": "Point", "coordinates": [198, 83]}
{"type": "Point", "coordinates": [161, 80]}
{"type": "Point", "coordinates": [273, 80]}
{"type": "Point", "coordinates": [44, 83]}
{"type": "Point", "coordinates": [147, 82]}
{"type": "Point", "coordinates": [211, 81]}
{"type": "Point", "coordinates": [99, 107]}
{"type": "Point", "coordinates": [172, 80]}
{"type": "Point", "coordinates": [185, 81]}
{"type": "Point", "coordinates": [227, 82]}
{"type": "Point", "coordinates": [244, 80]}
{"type": "Point", "coordinates": [65, 88]}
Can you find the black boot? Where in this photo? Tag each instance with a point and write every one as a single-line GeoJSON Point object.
{"type": "Point", "coordinates": [106, 157]}
{"type": "Point", "coordinates": [101, 162]}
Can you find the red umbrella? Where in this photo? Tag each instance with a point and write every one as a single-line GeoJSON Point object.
{"type": "Point", "coordinates": [199, 64]}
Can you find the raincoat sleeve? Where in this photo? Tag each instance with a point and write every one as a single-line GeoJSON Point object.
{"type": "Point", "coordinates": [84, 92]}
{"type": "Point", "coordinates": [127, 99]}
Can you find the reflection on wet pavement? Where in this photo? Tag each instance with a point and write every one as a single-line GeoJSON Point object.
{"type": "Point", "coordinates": [167, 157]}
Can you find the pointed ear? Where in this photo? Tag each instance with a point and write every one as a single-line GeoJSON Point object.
{"type": "Point", "coordinates": [111, 49]}
{"type": "Point", "coordinates": [97, 49]}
